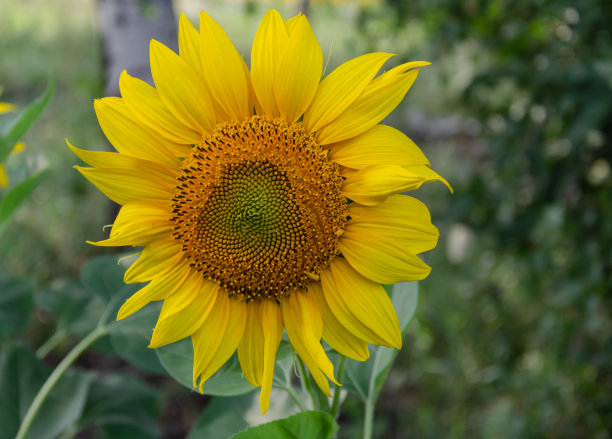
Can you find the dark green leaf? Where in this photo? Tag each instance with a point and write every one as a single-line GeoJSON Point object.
{"type": "Point", "coordinates": [75, 309]}
{"type": "Point", "coordinates": [123, 407]}
{"type": "Point", "coordinates": [366, 378]}
{"type": "Point", "coordinates": [222, 418]}
{"type": "Point", "coordinates": [15, 305]}
{"type": "Point", "coordinates": [130, 337]}
{"type": "Point", "coordinates": [304, 425]}
{"type": "Point", "coordinates": [104, 276]}
{"type": "Point", "coordinates": [225, 416]}
{"type": "Point", "coordinates": [177, 359]}
{"type": "Point", "coordinates": [19, 193]}
{"type": "Point", "coordinates": [18, 126]}
{"type": "Point", "coordinates": [21, 376]}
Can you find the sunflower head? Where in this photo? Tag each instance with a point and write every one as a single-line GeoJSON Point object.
{"type": "Point", "coordinates": [265, 199]}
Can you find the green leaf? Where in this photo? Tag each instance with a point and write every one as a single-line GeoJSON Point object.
{"type": "Point", "coordinates": [366, 378]}
{"type": "Point", "coordinates": [226, 416]}
{"type": "Point", "coordinates": [104, 276]}
{"type": "Point", "coordinates": [222, 418]}
{"type": "Point", "coordinates": [75, 309]}
{"type": "Point", "coordinates": [304, 425]}
{"type": "Point", "coordinates": [123, 407]}
{"type": "Point", "coordinates": [15, 305]}
{"type": "Point", "coordinates": [18, 126]}
{"type": "Point", "coordinates": [177, 359]}
{"type": "Point", "coordinates": [21, 376]}
{"type": "Point", "coordinates": [19, 193]}
{"type": "Point", "coordinates": [130, 337]}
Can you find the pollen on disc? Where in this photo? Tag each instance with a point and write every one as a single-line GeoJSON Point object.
{"type": "Point", "coordinates": [258, 208]}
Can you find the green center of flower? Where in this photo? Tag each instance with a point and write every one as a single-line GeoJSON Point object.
{"type": "Point", "coordinates": [258, 208]}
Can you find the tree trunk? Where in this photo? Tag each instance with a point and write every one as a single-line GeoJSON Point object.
{"type": "Point", "coordinates": [126, 29]}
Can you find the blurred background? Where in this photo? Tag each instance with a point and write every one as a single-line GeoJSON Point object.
{"type": "Point", "coordinates": [513, 335]}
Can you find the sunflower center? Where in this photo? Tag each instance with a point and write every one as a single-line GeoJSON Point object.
{"type": "Point", "coordinates": [258, 208]}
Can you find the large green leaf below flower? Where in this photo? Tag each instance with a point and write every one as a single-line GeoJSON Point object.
{"type": "Point", "coordinates": [304, 425]}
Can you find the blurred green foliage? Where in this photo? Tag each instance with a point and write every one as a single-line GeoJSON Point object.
{"type": "Point", "coordinates": [515, 335]}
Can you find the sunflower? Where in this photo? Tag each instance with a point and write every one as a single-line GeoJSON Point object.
{"type": "Point", "coordinates": [265, 198]}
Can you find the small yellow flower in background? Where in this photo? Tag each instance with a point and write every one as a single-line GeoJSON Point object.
{"type": "Point", "coordinates": [264, 199]}
{"type": "Point", "coordinates": [19, 146]}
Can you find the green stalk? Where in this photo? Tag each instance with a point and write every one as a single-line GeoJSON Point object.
{"type": "Point", "coordinates": [296, 398]}
{"type": "Point", "coordinates": [55, 376]}
{"type": "Point", "coordinates": [304, 380]}
{"type": "Point", "coordinates": [368, 419]}
{"type": "Point", "coordinates": [53, 341]}
{"type": "Point", "coordinates": [335, 409]}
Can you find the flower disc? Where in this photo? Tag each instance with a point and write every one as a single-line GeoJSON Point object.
{"type": "Point", "coordinates": [258, 207]}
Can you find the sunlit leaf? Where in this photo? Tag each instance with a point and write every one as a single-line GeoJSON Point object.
{"type": "Point", "coordinates": [304, 425]}
{"type": "Point", "coordinates": [226, 416]}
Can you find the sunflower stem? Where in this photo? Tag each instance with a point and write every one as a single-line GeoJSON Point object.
{"type": "Point", "coordinates": [58, 372]}
{"type": "Point", "coordinates": [296, 398]}
{"type": "Point", "coordinates": [319, 400]}
{"type": "Point", "coordinates": [304, 379]}
{"type": "Point", "coordinates": [51, 343]}
{"type": "Point", "coordinates": [335, 409]}
{"type": "Point", "coordinates": [368, 419]}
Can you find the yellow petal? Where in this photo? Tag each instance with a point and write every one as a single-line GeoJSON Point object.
{"type": "Point", "coordinates": [138, 223]}
{"type": "Point", "coordinates": [187, 99]}
{"type": "Point", "coordinates": [18, 147]}
{"type": "Point", "coordinates": [299, 71]}
{"type": "Point", "coordinates": [107, 159]}
{"type": "Point", "coordinates": [157, 258]}
{"type": "Point", "coordinates": [158, 289]}
{"type": "Point", "coordinates": [190, 50]}
{"type": "Point", "coordinates": [195, 287]}
{"type": "Point", "coordinates": [336, 335]}
{"type": "Point", "coordinates": [379, 98]}
{"type": "Point", "coordinates": [360, 305]}
{"type": "Point", "coordinates": [204, 345]}
{"type": "Point", "coordinates": [185, 322]}
{"type": "Point", "coordinates": [189, 44]}
{"type": "Point", "coordinates": [250, 349]}
{"type": "Point", "coordinates": [400, 218]}
{"type": "Point", "coordinates": [268, 48]}
{"type": "Point", "coordinates": [290, 23]}
{"type": "Point", "coordinates": [126, 184]}
{"type": "Point", "coordinates": [272, 326]}
{"type": "Point", "coordinates": [225, 72]}
{"type": "Point", "coordinates": [341, 88]}
{"type": "Point", "coordinates": [380, 145]}
{"type": "Point", "coordinates": [127, 134]}
{"type": "Point", "coordinates": [229, 333]}
{"type": "Point", "coordinates": [5, 108]}
{"type": "Point", "coordinates": [381, 258]}
{"type": "Point", "coordinates": [373, 184]}
{"type": "Point", "coordinates": [302, 319]}
{"type": "Point", "coordinates": [144, 103]}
